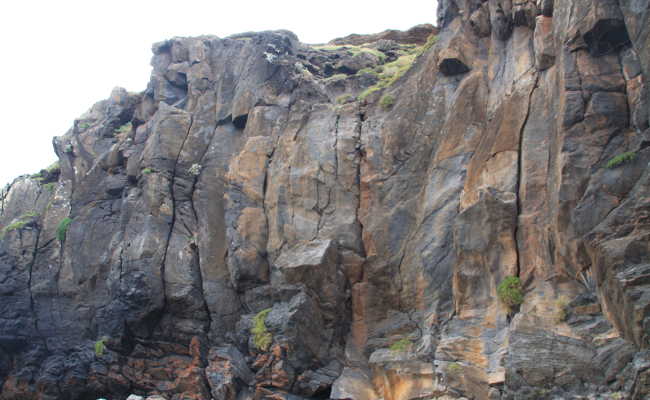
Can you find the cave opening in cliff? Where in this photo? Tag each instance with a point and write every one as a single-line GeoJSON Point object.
{"type": "Point", "coordinates": [240, 121]}
{"type": "Point", "coordinates": [606, 37]}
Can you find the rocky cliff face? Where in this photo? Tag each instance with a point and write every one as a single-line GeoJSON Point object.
{"type": "Point", "coordinates": [270, 220]}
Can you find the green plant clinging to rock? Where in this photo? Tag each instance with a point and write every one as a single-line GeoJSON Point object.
{"type": "Point", "coordinates": [147, 171]}
{"type": "Point", "coordinates": [126, 128]}
{"type": "Point", "coordinates": [401, 345]}
{"type": "Point", "coordinates": [509, 292]}
{"type": "Point", "coordinates": [387, 101]}
{"type": "Point", "coordinates": [100, 346]}
{"type": "Point", "coordinates": [262, 338]}
{"type": "Point", "coordinates": [390, 73]}
{"type": "Point", "coordinates": [431, 40]}
{"type": "Point", "coordinates": [19, 224]}
{"type": "Point", "coordinates": [561, 305]}
{"type": "Point", "coordinates": [62, 230]}
{"type": "Point", "coordinates": [345, 98]}
{"type": "Point", "coordinates": [621, 159]}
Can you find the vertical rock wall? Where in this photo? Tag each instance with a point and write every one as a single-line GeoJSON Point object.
{"type": "Point", "coordinates": [273, 220]}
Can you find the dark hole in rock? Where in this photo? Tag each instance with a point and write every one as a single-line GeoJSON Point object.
{"type": "Point", "coordinates": [180, 81]}
{"type": "Point", "coordinates": [323, 394]}
{"type": "Point", "coordinates": [520, 18]}
{"type": "Point", "coordinates": [329, 70]}
{"type": "Point", "coordinates": [225, 121]}
{"type": "Point", "coordinates": [645, 144]}
{"type": "Point", "coordinates": [346, 70]}
{"type": "Point", "coordinates": [607, 36]}
{"type": "Point", "coordinates": [502, 25]}
{"type": "Point", "coordinates": [453, 66]}
{"type": "Point", "coordinates": [240, 121]}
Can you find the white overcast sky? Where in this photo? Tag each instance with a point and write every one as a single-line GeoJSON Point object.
{"type": "Point", "coordinates": [59, 57]}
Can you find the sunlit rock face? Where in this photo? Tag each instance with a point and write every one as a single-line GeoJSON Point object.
{"type": "Point", "coordinates": [272, 220]}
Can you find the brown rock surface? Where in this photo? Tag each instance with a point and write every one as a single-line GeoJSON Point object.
{"type": "Point", "coordinates": [282, 221]}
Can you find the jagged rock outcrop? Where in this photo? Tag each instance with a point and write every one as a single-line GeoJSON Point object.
{"type": "Point", "coordinates": [272, 220]}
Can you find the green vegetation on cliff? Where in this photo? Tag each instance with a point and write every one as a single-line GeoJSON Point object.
{"type": "Point", "coordinates": [262, 338]}
{"type": "Point", "coordinates": [62, 229]}
{"type": "Point", "coordinates": [19, 223]}
{"type": "Point", "coordinates": [509, 292]}
{"type": "Point", "coordinates": [621, 159]}
{"type": "Point", "coordinates": [401, 345]}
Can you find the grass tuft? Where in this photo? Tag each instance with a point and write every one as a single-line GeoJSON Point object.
{"type": "Point", "coordinates": [401, 345]}
{"type": "Point", "coordinates": [262, 338]}
{"type": "Point", "coordinates": [19, 223]}
{"type": "Point", "coordinates": [390, 73]}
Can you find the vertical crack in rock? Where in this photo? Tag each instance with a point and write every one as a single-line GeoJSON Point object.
{"type": "Point", "coordinates": [520, 172]}
{"type": "Point", "coordinates": [336, 152]}
{"type": "Point", "coordinates": [360, 154]}
{"type": "Point", "coordinates": [32, 305]}
{"type": "Point", "coordinates": [173, 221]}
{"type": "Point", "coordinates": [265, 185]}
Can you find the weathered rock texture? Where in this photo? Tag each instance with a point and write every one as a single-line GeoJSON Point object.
{"type": "Point", "coordinates": [258, 233]}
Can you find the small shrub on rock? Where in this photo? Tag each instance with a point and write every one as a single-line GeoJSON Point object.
{"type": "Point", "coordinates": [100, 346]}
{"type": "Point", "coordinates": [62, 230]}
{"type": "Point", "coordinates": [387, 101]}
{"type": "Point", "coordinates": [262, 338]}
{"type": "Point", "coordinates": [509, 292]}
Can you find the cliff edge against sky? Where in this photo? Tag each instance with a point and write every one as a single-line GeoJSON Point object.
{"type": "Point", "coordinates": [461, 211]}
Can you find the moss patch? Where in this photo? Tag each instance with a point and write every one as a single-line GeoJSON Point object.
{"type": "Point", "coordinates": [390, 73]}
{"type": "Point", "coordinates": [19, 223]}
{"type": "Point", "coordinates": [387, 101]}
{"type": "Point", "coordinates": [126, 128]}
{"type": "Point", "coordinates": [62, 229]}
{"type": "Point", "coordinates": [431, 40]}
{"type": "Point", "coordinates": [100, 346]}
{"type": "Point", "coordinates": [262, 338]}
{"type": "Point", "coordinates": [401, 345]}
{"type": "Point", "coordinates": [561, 305]}
{"type": "Point", "coordinates": [621, 159]}
{"type": "Point", "coordinates": [344, 99]}
{"type": "Point", "coordinates": [353, 50]}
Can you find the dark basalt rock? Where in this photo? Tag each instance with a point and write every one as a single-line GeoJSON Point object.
{"type": "Point", "coordinates": [285, 221]}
